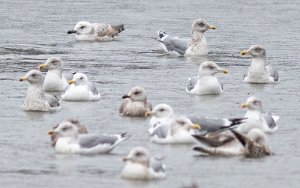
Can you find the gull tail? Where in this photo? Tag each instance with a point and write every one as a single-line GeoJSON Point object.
{"type": "Point", "coordinates": [241, 138]}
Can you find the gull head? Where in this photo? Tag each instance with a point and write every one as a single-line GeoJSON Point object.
{"type": "Point", "coordinates": [79, 79]}
{"type": "Point", "coordinates": [255, 51]}
{"type": "Point", "coordinates": [161, 111]}
{"type": "Point", "coordinates": [51, 64]}
{"type": "Point", "coordinates": [210, 68]}
{"type": "Point", "coordinates": [64, 129]}
{"type": "Point", "coordinates": [82, 28]}
{"type": "Point", "coordinates": [200, 25]}
{"type": "Point", "coordinates": [253, 103]}
{"type": "Point", "coordinates": [138, 155]}
{"type": "Point", "coordinates": [33, 77]}
{"type": "Point", "coordinates": [182, 123]}
{"type": "Point", "coordinates": [136, 94]}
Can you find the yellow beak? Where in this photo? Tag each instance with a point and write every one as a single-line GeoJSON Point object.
{"type": "Point", "coordinates": [148, 114]}
{"type": "Point", "coordinates": [224, 71]}
{"type": "Point", "coordinates": [51, 133]}
{"type": "Point", "coordinates": [43, 66]}
{"type": "Point", "coordinates": [23, 78]}
{"type": "Point", "coordinates": [196, 126]}
{"type": "Point", "coordinates": [72, 81]}
{"type": "Point", "coordinates": [212, 27]}
{"type": "Point", "coordinates": [245, 52]}
{"type": "Point", "coordinates": [245, 105]}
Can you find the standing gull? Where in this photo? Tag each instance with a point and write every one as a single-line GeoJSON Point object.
{"type": "Point", "coordinates": [54, 80]}
{"type": "Point", "coordinates": [256, 118]}
{"type": "Point", "coordinates": [80, 89]}
{"type": "Point", "coordinates": [139, 166]}
{"type": "Point", "coordinates": [206, 83]}
{"type": "Point", "coordinates": [178, 132]}
{"type": "Point", "coordinates": [96, 31]}
{"type": "Point", "coordinates": [36, 100]}
{"type": "Point", "coordinates": [259, 71]}
{"type": "Point", "coordinates": [71, 142]}
{"type": "Point", "coordinates": [135, 103]}
{"type": "Point", "coordinates": [161, 114]}
{"type": "Point", "coordinates": [197, 45]}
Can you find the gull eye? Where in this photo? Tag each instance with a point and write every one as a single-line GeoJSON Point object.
{"type": "Point", "coordinates": [210, 67]}
{"type": "Point", "coordinates": [201, 24]}
{"type": "Point", "coordinates": [136, 93]}
{"type": "Point", "coordinates": [34, 75]}
{"type": "Point", "coordinates": [82, 27]}
{"type": "Point", "coordinates": [81, 78]}
{"type": "Point", "coordinates": [162, 110]}
{"type": "Point", "coordinates": [138, 154]}
{"type": "Point", "coordinates": [54, 62]}
{"type": "Point", "coordinates": [257, 49]}
{"type": "Point", "coordinates": [65, 128]}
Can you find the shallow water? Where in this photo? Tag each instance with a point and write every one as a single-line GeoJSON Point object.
{"type": "Point", "coordinates": [33, 31]}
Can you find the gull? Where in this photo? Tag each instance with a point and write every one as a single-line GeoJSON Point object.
{"type": "Point", "coordinates": [140, 166]}
{"type": "Point", "coordinates": [96, 31]}
{"type": "Point", "coordinates": [206, 83]}
{"type": "Point", "coordinates": [135, 103]}
{"type": "Point", "coordinates": [36, 100]}
{"type": "Point", "coordinates": [259, 71]}
{"type": "Point", "coordinates": [177, 132]}
{"type": "Point", "coordinates": [71, 142]}
{"type": "Point", "coordinates": [80, 89]}
{"type": "Point", "coordinates": [54, 80]}
{"type": "Point", "coordinates": [161, 114]}
{"type": "Point", "coordinates": [197, 45]}
{"type": "Point", "coordinates": [256, 118]}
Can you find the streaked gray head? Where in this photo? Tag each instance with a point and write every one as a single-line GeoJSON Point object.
{"type": "Point", "coordinates": [200, 25]}
{"type": "Point", "coordinates": [256, 51]}
{"type": "Point", "coordinates": [138, 155]}
{"type": "Point", "coordinates": [258, 136]}
{"type": "Point", "coordinates": [33, 77]}
{"type": "Point", "coordinates": [163, 111]}
{"type": "Point", "coordinates": [253, 103]}
{"type": "Point", "coordinates": [182, 123]}
{"type": "Point", "coordinates": [65, 129]}
{"type": "Point", "coordinates": [54, 63]}
{"type": "Point", "coordinates": [210, 68]}
{"type": "Point", "coordinates": [136, 94]}
{"type": "Point", "coordinates": [79, 79]}
{"type": "Point", "coordinates": [83, 28]}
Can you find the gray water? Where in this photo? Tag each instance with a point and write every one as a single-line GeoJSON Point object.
{"type": "Point", "coordinates": [33, 31]}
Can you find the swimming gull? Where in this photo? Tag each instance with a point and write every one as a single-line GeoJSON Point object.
{"type": "Point", "coordinates": [161, 114]}
{"type": "Point", "coordinates": [81, 130]}
{"type": "Point", "coordinates": [206, 83]}
{"type": "Point", "coordinates": [54, 79]}
{"type": "Point", "coordinates": [259, 71]}
{"type": "Point", "coordinates": [197, 45]}
{"type": "Point", "coordinates": [36, 100]}
{"type": "Point", "coordinates": [71, 142]}
{"type": "Point", "coordinates": [80, 89]}
{"type": "Point", "coordinates": [256, 118]}
{"type": "Point", "coordinates": [135, 103]}
{"type": "Point", "coordinates": [140, 166]}
{"type": "Point", "coordinates": [96, 31]}
{"type": "Point", "coordinates": [177, 132]}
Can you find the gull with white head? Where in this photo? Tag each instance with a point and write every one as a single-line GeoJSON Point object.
{"type": "Point", "coordinates": [80, 89]}
{"type": "Point", "coordinates": [161, 114]}
{"type": "Point", "coordinates": [177, 132]}
{"type": "Point", "coordinates": [206, 83]}
{"type": "Point", "coordinates": [259, 72]}
{"type": "Point", "coordinates": [69, 141]}
{"type": "Point", "coordinates": [197, 45]}
{"type": "Point", "coordinates": [256, 118]}
{"type": "Point", "coordinates": [36, 100]}
{"type": "Point", "coordinates": [135, 103]}
{"type": "Point", "coordinates": [54, 79]}
{"type": "Point", "coordinates": [96, 31]}
{"type": "Point", "coordinates": [140, 166]}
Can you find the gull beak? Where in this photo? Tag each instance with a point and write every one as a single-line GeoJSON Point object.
{"type": "Point", "coordinates": [72, 31]}
{"type": "Point", "coordinates": [52, 133]}
{"type": "Point", "coordinates": [224, 71]}
{"type": "Point", "coordinates": [126, 159]}
{"type": "Point", "coordinates": [23, 78]}
{"type": "Point", "coordinates": [245, 105]}
{"type": "Point", "coordinates": [125, 96]}
{"type": "Point", "coordinates": [196, 126]}
{"type": "Point", "coordinates": [148, 114]}
{"type": "Point", "coordinates": [72, 81]}
{"type": "Point", "coordinates": [212, 27]}
{"type": "Point", "coordinates": [43, 66]}
{"type": "Point", "coordinates": [245, 52]}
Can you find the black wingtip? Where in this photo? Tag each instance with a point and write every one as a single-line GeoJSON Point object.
{"type": "Point", "coordinates": [240, 137]}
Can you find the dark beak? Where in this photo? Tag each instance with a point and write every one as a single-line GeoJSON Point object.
{"type": "Point", "coordinates": [71, 31]}
{"type": "Point", "coordinates": [125, 96]}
